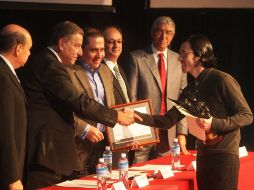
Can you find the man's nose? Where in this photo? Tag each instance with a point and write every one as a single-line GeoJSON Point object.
{"type": "Point", "coordinates": [80, 52]}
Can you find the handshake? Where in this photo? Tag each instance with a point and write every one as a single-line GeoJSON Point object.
{"type": "Point", "coordinates": [127, 117]}
{"type": "Point", "coordinates": [166, 121]}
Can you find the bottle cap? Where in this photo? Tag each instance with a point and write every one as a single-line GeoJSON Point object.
{"type": "Point", "coordinates": [123, 155]}
{"type": "Point", "coordinates": [176, 140]}
{"type": "Point", "coordinates": [101, 160]}
{"type": "Point", "coordinates": [107, 148]}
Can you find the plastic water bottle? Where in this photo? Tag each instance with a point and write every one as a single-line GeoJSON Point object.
{"type": "Point", "coordinates": [107, 155]}
{"type": "Point", "coordinates": [123, 166]}
{"type": "Point", "coordinates": [101, 172]}
{"type": "Point", "coordinates": [175, 150]}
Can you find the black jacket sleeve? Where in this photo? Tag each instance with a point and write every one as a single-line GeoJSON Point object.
{"type": "Point", "coordinates": [163, 122]}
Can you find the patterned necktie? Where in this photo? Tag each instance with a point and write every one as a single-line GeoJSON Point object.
{"type": "Point", "coordinates": [121, 82]}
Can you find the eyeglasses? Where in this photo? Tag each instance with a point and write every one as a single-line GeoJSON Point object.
{"type": "Point", "coordinates": [114, 41]}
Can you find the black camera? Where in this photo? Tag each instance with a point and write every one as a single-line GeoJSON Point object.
{"type": "Point", "coordinates": [189, 101]}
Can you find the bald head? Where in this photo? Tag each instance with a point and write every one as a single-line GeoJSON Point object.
{"type": "Point", "coordinates": [11, 28]}
{"type": "Point", "coordinates": [15, 44]}
{"type": "Point", "coordinates": [11, 35]}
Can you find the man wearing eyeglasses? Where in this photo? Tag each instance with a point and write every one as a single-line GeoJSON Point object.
{"type": "Point", "coordinates": [113, 49]}
{"type": "Point", "coordinates": [156, 74]}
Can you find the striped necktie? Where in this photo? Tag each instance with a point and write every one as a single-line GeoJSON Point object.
{"type": "Point", "coordinates": [121, 82]}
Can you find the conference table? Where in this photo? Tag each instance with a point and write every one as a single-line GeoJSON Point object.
{"type": "Point", "coordinates": [184, 180]}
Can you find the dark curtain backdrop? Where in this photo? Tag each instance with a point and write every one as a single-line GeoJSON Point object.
{"type": "Point", "coordinates": [230, 30]}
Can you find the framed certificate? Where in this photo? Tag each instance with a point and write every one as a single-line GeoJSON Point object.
{"type": "Point", "coordinates": [123, 137]}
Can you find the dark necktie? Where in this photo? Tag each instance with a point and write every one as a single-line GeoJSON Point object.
{"type": "Point", "coordinates": [121, 82]}
{"type": "Point", "coordinates": [163, 146]}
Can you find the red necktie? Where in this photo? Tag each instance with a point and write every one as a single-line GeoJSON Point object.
{"type": "Point", "coordinates": [162, 70]}
{"type": "Point", "coordinates": [163, 146]}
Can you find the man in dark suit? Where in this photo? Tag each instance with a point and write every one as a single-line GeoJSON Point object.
{"type": "Point", "coordinates": [113, 49]}
{"type": "Point", "coordinates": [15, 45]}
{"type": "Point", "coordinates": [146, 81]}
{"type": "Point", "coordinates": [96, 81]}
{"type": "Point", "coordinates": [52, 100]}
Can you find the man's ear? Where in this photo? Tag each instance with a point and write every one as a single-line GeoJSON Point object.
{"type": "Point", "coordinates": [18, 49]}
{"type": "Point", "coordinates": [61, 44]}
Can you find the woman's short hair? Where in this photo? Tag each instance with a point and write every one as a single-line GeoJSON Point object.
{"type": "Point", "coordinates": [202, 47]}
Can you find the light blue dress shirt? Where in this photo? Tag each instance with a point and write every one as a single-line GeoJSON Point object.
{"type": "Point", "coordinates": [98, 91]}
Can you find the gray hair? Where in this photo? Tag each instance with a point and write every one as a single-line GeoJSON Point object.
{"type": "Point", "coordinates": [63, 30]}
{"type": "Point", "coordinates": [162, 20]}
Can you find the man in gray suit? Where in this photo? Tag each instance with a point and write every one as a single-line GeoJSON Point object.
{"type": "Point", "coordinates": [146, 81]}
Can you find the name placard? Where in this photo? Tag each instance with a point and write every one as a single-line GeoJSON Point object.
{"type": "Point", "coordinates": [140, 181]}
{"type": "Point", "coordinates": [118, 186]}
{"type": "Point", "coordinates": [242, 152]}
{"type": "Point", "coordinates": [163, 173]}
{"type": "Point", "coordinates": [192, 166]}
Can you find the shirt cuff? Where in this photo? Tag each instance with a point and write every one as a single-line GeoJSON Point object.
{"type": "Point", "coordinates": [100, 127]}
{"type": "Point", "coordinates": [85, 131]}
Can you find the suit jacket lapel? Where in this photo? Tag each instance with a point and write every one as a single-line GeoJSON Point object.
{"type": "Point", "coordinates": [84, 82]}
{"type": "Point", "coordinates": [170, 70]}
{"type": "Point", "coordinates": [14, 79]}
{"type": "Point", "coordinates": [16, 82]}
{"type": "Point", "coordinates": [116, 84]}
{"type": "Point", "coordinates": [105, 81]}
{"type": "Point", "coordinates": [150, 61]}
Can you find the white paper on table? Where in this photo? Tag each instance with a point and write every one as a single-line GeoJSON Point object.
{"type": "Point", "coordinates": [153, 167]}
{"type": "Point", "coordinates": [80, 183]}
{"type": "Point", "coordinates": [192, 124]}
{"type": "Point", "coordinates": [133, 130]}
{"type": "Point", "coordinates": [115, 174]}
{"type": "Point", "coordinates": [149, 167]}
{"type": "Point", "coordinates": [66, 184]}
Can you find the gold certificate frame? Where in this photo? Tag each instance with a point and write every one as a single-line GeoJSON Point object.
{"type": "Point", "coordinates": [123, 137]}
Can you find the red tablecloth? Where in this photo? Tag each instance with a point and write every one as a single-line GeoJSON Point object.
{"type": "Point", "coordinates": [246, 175]}
{"type": "Point", "coordinates": [186, 180]}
